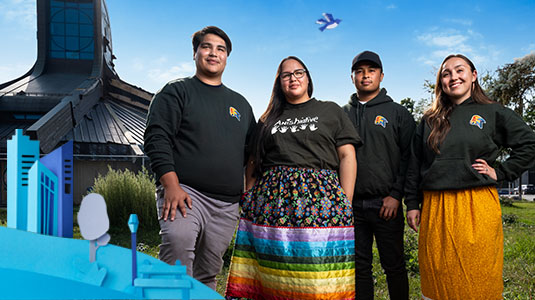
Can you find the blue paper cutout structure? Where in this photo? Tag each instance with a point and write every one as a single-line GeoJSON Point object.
{"type": "Point", "coordinates": [329, 22]}
{"type": "Point", "coordinates": [41, 266]}
{"type": "Point", "coordinates": [36, 266]}
{"type": "Point", "coordinates": [133, 224]}
{"type": "Point", "coordinates": [94, 223]}
{"type": "Point", "coordinates": [39, 192]}
{"type": "Point", "coordinates": [42, 200]}
{"type": "Point", "coordinates": [59, 162]}
{"type": "Point", "coordinates": [21, 154]}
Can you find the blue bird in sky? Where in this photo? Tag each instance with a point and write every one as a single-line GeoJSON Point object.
{"type": "Point", "coordinates": [329, 22]}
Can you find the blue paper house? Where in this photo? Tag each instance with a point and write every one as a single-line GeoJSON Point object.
{"type": "Point", "coordinates": [21, 155]}
{"type": "Point", "coordinates": [42, 200]}
{"type": "Point", "coordinates": [59, 162]}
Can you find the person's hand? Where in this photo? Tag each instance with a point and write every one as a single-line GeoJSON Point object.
{"type": "Point", "coordinates": [389, 210]}
{"type": "Point", "coordinates": [175, 197]}
{"type": "Point", "coordinates": [482, 167]}
{"type": "Point", "coordinates": [413, 219]}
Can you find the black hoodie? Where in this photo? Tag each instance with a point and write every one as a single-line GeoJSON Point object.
{"type": "Point", "coordinates": [477, 131]}
{"type": "Point", "coordinates": [386, 129]}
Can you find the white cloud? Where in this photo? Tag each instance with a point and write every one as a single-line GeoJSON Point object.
{"type": "Point", "coordinates": [163, 74]}
{"type": "Point", "coordinates": [22, 12]}
{"type": "Point", "coordinates": [460, 21]}
{"type": "Point", "coordinates": [426, 61]}
{"type": "Point", "coordinates": [159, 71]}
{"type": "Point", "coordinates": [391, 6]}
{"type": "Point", "coordinates": [529, 48]}
{"type": "Point", "coordinates": [138, 65]}
{"type": "Point", "coordinates": [443, 42]}
{"type": "Point", "coordinates": [440, 53]}
{"type": "Point", "coordinates": [442, 39]}
{"type": "Point", "coordinates": [161, 60]}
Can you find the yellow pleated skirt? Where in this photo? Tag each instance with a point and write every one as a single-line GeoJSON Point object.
{"type": "Point", "coordinates": [461, 244]}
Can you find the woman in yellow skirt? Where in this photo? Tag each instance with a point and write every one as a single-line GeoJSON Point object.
{"type": "Point", "coordinates": [453, 175]}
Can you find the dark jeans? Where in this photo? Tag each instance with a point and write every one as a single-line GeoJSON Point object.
{"type": "Point", "coordinates": [389, 240]}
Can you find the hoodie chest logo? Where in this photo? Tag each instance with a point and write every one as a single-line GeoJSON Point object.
{"type": "Point", "coordinates": [478, 121]}
{"type": "Point", "coordinates": [381, 121]}
{"type": "Point", "coordinates": [234, 113]}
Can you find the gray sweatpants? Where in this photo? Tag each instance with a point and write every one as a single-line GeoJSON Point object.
{"type": "Point", "coordinates": [200, 240]}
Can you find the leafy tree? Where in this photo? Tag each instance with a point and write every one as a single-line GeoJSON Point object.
{"type": "Point", "coordinates": [514, 86]}
{"type": "Point", "coordinates": [409, 104]}
{"type": "Point", "coordinates": [419, 107]}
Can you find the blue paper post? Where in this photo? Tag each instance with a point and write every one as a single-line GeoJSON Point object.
{"type": "Point", "coordinates": [133, 223]}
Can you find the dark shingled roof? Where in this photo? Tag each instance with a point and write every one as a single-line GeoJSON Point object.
{"type": "Point", "coordinates": [110, 122]}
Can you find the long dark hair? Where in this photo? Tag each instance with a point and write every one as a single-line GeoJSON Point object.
{"type": "Point", "coordinates": [437, 116]}
{"type": "Point", "coordinates": [274, 110]}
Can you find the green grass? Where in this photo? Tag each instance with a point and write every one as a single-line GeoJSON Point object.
{"type": "Point", "coordinates": [519, 254]}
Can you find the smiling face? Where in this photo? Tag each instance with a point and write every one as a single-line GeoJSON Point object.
{"type": "Point", "coordinates": [457, 79]}
{"type": "Point", "coordinates": [211, 59]}
{"type": "Point", "coordinates": [294, 89]}
{"type": "Point", "coordinates": [367, 79]}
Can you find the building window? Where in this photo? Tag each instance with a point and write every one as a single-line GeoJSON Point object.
{"type": "Point", "coordinates": [71, 30]}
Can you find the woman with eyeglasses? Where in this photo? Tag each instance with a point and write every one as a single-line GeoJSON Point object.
{"type": "Point", "coordinates": [453, 173]}
{"type": "Point", "coordinates": [295, 238]}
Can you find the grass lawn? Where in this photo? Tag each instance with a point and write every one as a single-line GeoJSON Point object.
{"type": "Point", "coordinates": [519, 253]}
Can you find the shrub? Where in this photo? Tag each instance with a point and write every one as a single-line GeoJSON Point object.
{"type": "Point", "coordinates": [506, 201]}
{"type": "Point", "coordinates": [509, 219]}
{"type": "Point", "coordinates": [128, 193]}
{"type": "Point", "coordinates": [411, 251]}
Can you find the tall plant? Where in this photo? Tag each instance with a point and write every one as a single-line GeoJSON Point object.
{"type": "Point", "coordinates": [128, 193]}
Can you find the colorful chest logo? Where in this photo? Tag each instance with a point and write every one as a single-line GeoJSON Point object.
{"type": "Point", "coordinates": [478, 121]}
{"type": "Point", "coordinates": [381, 121]}
{"type": "Point", "coordinates": [234, 113]}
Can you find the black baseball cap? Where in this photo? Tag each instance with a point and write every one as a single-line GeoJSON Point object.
{"type": "Point", "coordinates": [367, 56]}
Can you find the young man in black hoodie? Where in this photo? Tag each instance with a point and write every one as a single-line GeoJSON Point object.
{"type": "Point", "coordinates": [386, 129]}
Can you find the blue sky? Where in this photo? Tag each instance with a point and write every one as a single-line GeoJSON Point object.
{"type": "Point", "coordinates": [152, 40]}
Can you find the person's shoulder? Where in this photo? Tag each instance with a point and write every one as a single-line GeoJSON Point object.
{"type": "Point", "coordinates": [329, 107]}
{"type": "Point", "coordinates": [328, 104]}
{"type": "Point", "coordinates": [402, 109]}
{"type": "Point", "coordinates": [493, 107]}
{"type": "Point", "coordinates": [502, 111]}
{"type": "Point", "coordinates": [233, 93]}
{"type": "Point", "coordinates": [346, 107]}
{"type": "Point", "coordinates": [182, 81]}
{"type": "Point", "coordinates": [236, 97]}
{"type": "Point", "coordinates": [176, 84]}
{"type": "Point", "coordinates": [394, 106]}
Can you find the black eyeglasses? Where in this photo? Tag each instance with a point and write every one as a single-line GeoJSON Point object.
{"type": "Point", "coordinates": [299, 73]}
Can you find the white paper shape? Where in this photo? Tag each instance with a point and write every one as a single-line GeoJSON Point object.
{"type": "Point", "coordinates": [103, 240]}
{"type": "Point", "coordinates": [93, 217]}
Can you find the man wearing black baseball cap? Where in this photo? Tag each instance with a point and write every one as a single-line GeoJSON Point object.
{"type": "Point", "coordinates": [386, 129]}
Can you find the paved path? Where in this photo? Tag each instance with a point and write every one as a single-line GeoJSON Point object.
{"type": "Point", "coordinates": [530, 197]}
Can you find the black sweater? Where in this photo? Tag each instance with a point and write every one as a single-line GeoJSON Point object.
{"type": "Point", "coordinates": [200, 132]}
{"type": "Point", "coordinates": [477, 131]}
{"type": "Point", "coordinates": [386, 129]}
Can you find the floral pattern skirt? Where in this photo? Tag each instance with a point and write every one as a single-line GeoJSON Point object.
{"type": "Point", "coordinates": [295, 238]}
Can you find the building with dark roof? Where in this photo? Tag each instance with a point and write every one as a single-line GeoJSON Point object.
{"type": "Point", "coordinates": [73, 92]}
